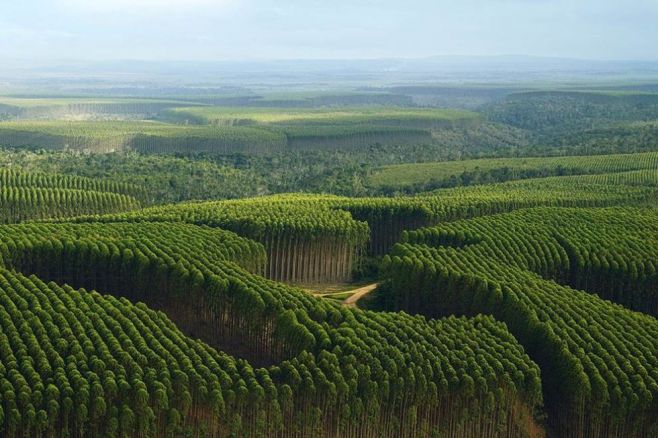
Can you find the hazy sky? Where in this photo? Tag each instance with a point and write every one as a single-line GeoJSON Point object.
{"type": "Point", "coordinates": [271, 29]}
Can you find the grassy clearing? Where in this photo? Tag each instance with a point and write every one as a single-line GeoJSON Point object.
{"type": "Point", "coordinates": [340, 297]}
{"type": "Point", "coordinates": [334, 289]}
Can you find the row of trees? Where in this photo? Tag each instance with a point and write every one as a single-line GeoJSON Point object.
{"type": "Point", "coordinates": [17, 178]}
{"type": "Point", "coordinates": [389, 217]}
{"type": "Point", "coordinates": [32, 195]}
{"type": "Point", "coordinates": [307, 241]}
{"type": "Point", "coordinates": [57, 109]}
{"type": "Point", "coordinates": [424, 177]}
{"type": "Point", "coordinates": [325, 118]}
{"type": "Point", "coordinates": [214, 140]}
{"type": "Point", "coordinates": [82, 363]}
{"type": "Point", "coordinates": [598, 360]}
{"type": "Point", "coordinates": [340, 137]}
{"type": "Point", "coordinates": [314, 239]}
{"type": "Point", "coordinates": [238, 131]}
{"type": "Point", "coordinates": [614, 256]}
{"type": "Point", "coordinates": [142, 136]}
{"type": "Point", "coordinates": [95, 137]}
{"type": "Point", "coordinates": [26, 203]}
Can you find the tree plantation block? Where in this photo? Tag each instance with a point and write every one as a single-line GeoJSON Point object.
{"type": "Point", "coordinates": [541, 271]}
{"type": "Point", "coordinates": [317, 238]}
{"type": "Point", "coordinates": [26, 195]}
{"type": "Point", "coordinates": [327, 253]}
{"type": "Point", "coordinates": [81, 362]}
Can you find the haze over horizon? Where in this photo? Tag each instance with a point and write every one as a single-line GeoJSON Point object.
{"type": "Point", "coordinates": [41, 31]}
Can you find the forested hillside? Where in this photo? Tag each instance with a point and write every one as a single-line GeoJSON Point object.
{"type": "Point", "coordinates": [581, 122]}
{"type": "Point", "coordinates": [356, 262]}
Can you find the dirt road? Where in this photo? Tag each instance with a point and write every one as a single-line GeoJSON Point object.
{"type": "Point", "coordinates": [358, 294]}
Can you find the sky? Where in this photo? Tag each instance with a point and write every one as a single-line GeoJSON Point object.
{"type": "Point", "coordinates": [163, 30]}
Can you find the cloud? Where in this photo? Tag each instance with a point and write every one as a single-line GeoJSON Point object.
{"type": "Point", "coordinates": [149, 6]}
{"type": "Point", "coordinates": [31, 34]}
{"type": "Point", "coordinates": [214, 29]}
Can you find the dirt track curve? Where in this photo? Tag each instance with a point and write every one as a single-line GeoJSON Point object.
{"type": "Point", "coordinates": [358, 294]}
